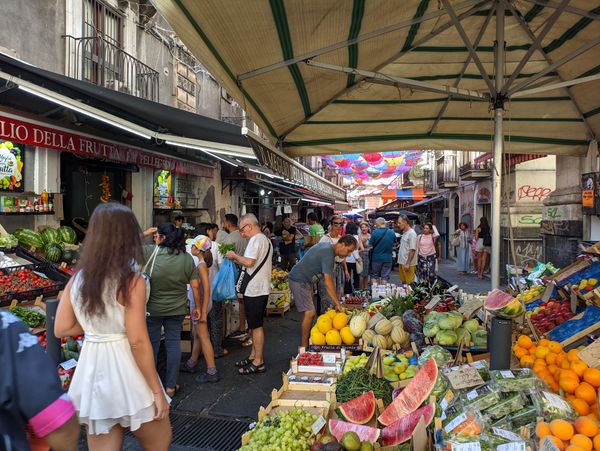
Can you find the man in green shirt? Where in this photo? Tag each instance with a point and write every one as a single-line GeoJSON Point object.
{"type": "Point", "coordinates": [315, 232]}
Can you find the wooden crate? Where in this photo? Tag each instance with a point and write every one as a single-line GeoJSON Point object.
{"type": "Point", "coordinates": [303, 392]}
{"type": "Point", "coordinates": [278, 310]}
{"type": "Point", "coordinates": [284, 405]}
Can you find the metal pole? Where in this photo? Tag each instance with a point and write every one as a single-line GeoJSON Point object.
{"type": "Point", "coordinates": [498, 146]}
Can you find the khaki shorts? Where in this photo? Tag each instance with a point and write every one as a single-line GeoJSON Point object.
{"type": "Point", "coordinates": [407, 277]}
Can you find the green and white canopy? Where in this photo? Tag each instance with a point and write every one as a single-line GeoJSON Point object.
{"type": "Point", "coordinates": [329, 76]}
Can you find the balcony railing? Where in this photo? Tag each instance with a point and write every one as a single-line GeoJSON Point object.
{"type": "Point", "coordinates": [475, 170]}
{"type": "Point", "coordinates": [447, 172]}
{"type": "Point", "coordinates": [429, 184]}
{"type": "Point", "coordinates": [96, 60]}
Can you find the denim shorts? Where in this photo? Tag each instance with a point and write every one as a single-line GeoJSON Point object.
{"type": "Point", "coordinates": [381, 270]}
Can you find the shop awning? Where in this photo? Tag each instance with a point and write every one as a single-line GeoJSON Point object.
{"type": "Point", "coordinates": [39, 92]}
{"type": "Point", "coordinates": [326, 76]}
{"type": "Point", "coordinates": [403, 194]}
{"type": "Point", "coordinates": [431, 200]}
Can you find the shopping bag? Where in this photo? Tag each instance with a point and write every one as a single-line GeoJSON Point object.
{"type": "Point", "coordinates": [223, 285]}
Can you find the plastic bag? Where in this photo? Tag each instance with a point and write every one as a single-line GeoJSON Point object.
{"type": "Point", "coordinates": [223, 285]}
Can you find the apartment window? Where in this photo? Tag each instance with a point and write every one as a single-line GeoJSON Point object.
{"type": "Point", "coordinates": [102, 29]}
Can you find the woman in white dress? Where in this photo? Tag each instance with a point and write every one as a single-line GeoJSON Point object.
{"type": "Point", "coordinates": [115, 385]}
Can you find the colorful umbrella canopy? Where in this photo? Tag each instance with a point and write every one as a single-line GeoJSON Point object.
{"type": "Point", "coordinates": [359, 168]}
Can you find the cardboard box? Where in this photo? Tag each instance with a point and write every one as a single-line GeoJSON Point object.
{"type": "Point", "coordinates": [279, 299]}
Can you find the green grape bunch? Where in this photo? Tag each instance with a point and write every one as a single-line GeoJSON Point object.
{"type": "Point", "coordinates": [288, 431]}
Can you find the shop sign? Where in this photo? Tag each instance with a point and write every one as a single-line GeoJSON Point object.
{"type": "Point", "coordinates": [12, 158]}
{"type": "Point", "coordinates": [50, 138]}
{"type": "Point", "coordinates": [588, 188]}
{"type": "Point", "coordinates": [293, 171]}
{"type": "Point", "coordinates": [483, 195]}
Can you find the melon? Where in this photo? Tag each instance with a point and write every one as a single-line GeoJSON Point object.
{"type": "Point", "coordinates": [366, 316]}
{"type": "Point", "coordinates": [417, 391]}
{"type": "Point", "coordinates": [402, 430]}
{"type": "Point", "coordinates": [359, 410]}
{"type": "Point", "coordinates": [52, 252]}
{"type": "Point", "coordinates": [383, 327]}
{"type": "Point", "coordinates": [399, 336]}
{"type": "Point", "coordinates": [379, 341]}
{"type": "Point", "coordinates": [338, 428]}
{"type": "Point", "coordinates": [394, 318]}
{"type": "Point", "coordinates": [397, 322]}
{"type": "Point", "coordinates": [357, 326]}
{"type": "Point", "coordinates": [67, 234]}
{"type": "Point", "coordinates": [503, 305]}
{"type": "Point", "coordinates": [50, 235]}
{"type": "Point", "coordinates": [368, 336]}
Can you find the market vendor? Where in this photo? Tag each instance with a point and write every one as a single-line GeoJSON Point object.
{"type": "Point", "coordinates": [317, 264]}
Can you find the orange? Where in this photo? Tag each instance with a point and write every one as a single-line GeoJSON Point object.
{"type": "Point", "coordinates": [544, 342]}
{"type": "Point", "coordinates": [579, 367]}
{"type": "Point", "coordinates": [597, 443]}
{"type": "Point", "coordinates": [543, 373]}
{"type": "Point", "coordinates": [592, 377]}
{"type": "Point", "coordinates": [541, 362]}
{"type": "Point", "coordinates": [553, 369]}
{"type": "Point", "coordinates": [568, 384]}
{"type": "Point", "coordinates": [541, 352]}
{"type": "Point", "coordinates": [532, 349]}
{"type": "Point", "coordinates": [537, 368]}
{"type": "Point", "coordinates": [555, 347]}
{"type": "Point", "coordinates": [586, 426]}
{"type": "Point", "coordinates": [574, 448]}
{"type": "Point", "coordinates": [569, 373]}
{"type": "Point", "coordinates": [542, 429]}
{"type": "Point", "coordinates": [554, 385]}
{"type": "Point", "coordinates": [582, 441]}
{"type": "Point", "coordinates": [581, 407]}
{"type": "Point", "coordinates": [560, 358]}
{"type": "Point", "coordinates": [562, 429]}
{"type": "Point", "coordinates": [525, 342]}
{"type": "Point", "coordinates": [520, 352]}
{"type": "Point", "coordinates": [565, 365]}
{"type": "Point", "coordinates": [551, 358]}
{"type": "Point", "coordinates": [586, 392]}
{"type": "Point", "coordinates": [527, 361]}
{"type": "Point", "coordinates": [573, 355]}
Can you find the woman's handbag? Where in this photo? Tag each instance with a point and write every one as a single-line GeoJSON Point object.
{"type": "Point", "coordinates": [455, 239]}
{"type": "Point", "coordinates": [148, 275]}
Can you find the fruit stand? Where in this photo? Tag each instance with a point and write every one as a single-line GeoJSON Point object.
{"type": "Point", "coordinates": [409, 368]}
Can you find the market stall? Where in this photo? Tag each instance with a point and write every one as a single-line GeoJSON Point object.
{"type": "Point", "coordinates": [410, 368]}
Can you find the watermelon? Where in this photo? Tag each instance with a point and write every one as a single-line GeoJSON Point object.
{"type": "Point", "coordinates": [417, 391]}
{"type": "Point", "coordinates": [402, 430]}
{"type": "Point", "coordinates": [338, 428]}
{"type": "Point", "coordinates": [67, 234]}
{"type": "Point", "coordinates": [501, 304]}
{"type": "Point", "coordinates": [359, 410]}
{"type": "Point", "coordinates": [52, 252]}
{"type": "Point", "coordinates": [69, 256]}
{"type": "Point", "coordinates": [29, 238]}
{"type": "Point", "coordinates": [50, 235]}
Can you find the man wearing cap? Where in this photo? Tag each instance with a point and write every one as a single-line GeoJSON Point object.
{"type": "Point", "coordinates": [380, 255]}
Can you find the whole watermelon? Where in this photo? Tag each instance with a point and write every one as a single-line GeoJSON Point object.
{"type": "Point", "coordinates": [50, 235]}
{"type": "Point", "coordinates": [53, 251]}
{"type": "Point", "coordinates": [29, 238]}
{"type": "Point", "coordinates": [67, 234]}
{"type": "Point", "coordinates": [69, 256]}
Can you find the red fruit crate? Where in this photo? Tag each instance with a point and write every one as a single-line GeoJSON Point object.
{"type": "Point", "coordinates": [22, 284]}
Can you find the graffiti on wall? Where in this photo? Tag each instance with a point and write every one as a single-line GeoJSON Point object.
{"type": "Point", "coordinates": [528, 250]}
{"type": "Point", "coordinates": [535, 193]}
{"type": "Point", "coordinates": [529, 220]}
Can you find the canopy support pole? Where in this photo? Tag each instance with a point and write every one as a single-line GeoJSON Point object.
{"type": "Point", "coordinates": [498, 105]}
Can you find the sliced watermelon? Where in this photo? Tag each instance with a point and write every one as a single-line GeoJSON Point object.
{"type": "Point", "coordinates": [338, 428]}
{"type": "Point", "coordinates": [497, 299]}
{"type": "Point", "coordinates": [417, 391]}
{"type": "Point", "coordinates": [401, 430]}
{"type": "Point", "coordinates": [359, 410]}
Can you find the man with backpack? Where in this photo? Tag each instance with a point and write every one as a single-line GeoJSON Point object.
{"type": "Point", "coordinates": [380, 254]}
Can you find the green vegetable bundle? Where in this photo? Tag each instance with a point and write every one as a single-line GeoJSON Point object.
{"type": "Point", "coordinates": [30, 317]}
{"type": "Point", "coordinates": [397, 305]}
{"type": "Point", "coordinates": [226, 247]}
{"type": "Point", "coordinates": [359, 381]}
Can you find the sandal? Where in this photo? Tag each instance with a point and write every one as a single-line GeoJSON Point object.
{"type": "Point", "coordinates": [171, 392]}
{"type": "Point", "coordinates": [252, 369]}
{"type": "Point", "coordinates": [243, 363]}
{"type": "Point", "coordinates": [247, 343]}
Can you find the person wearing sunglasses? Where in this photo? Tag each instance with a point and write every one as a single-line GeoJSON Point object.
{"type": "Point", "coordinates": [340, 269]}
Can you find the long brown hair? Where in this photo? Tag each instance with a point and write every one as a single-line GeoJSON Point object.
{"type": "Point", "coordinates": [110, 253]}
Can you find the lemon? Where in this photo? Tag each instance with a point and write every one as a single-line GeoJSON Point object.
{"type": "Point", "coordinates": [333, 338]}
{"type": "Point", "coordinates": [340, 320]}
{"type": "Point", "coordinates": [314, 329]}
{"type": "Point", "coordinates": [347, 336]}
{"type": "Point", "coordinates": [324, 324]}
{"type": "Point", "coordinates": [317, 338]}
{"type": "Point", "coordinates": [331, 313]}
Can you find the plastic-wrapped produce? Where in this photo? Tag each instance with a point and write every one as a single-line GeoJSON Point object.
{"type": "Point", "coordinates": [519, 380]}
{"type": "Point", "coordinates": [481, 398]}
{"type": "Point", "coordinates": [440, 355]}
{"type": "Point", "coordinates": [481, 366]}
{"type": "Point", "coordinates": [462, 422]}
{"type": "Point", "coordinates": [551, 407]}
{"type": "Point", "coordinates": [524, 416]}
{"type": "Point", "coordinates": [509, 404]}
